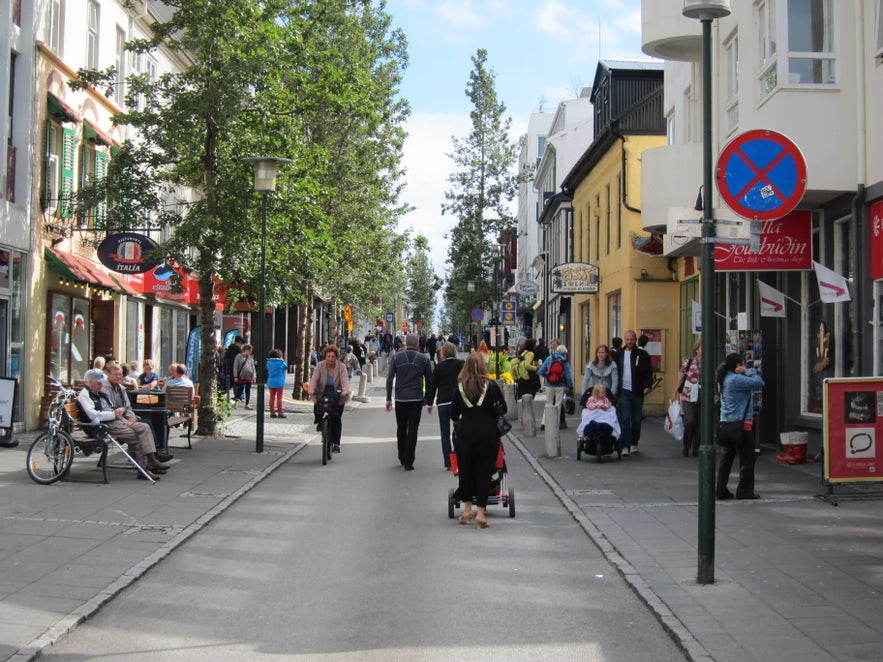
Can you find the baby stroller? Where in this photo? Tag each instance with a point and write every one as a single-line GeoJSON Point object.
{"type": "Point", "coordinates": [598, 434]}
{"type": "Point", "coordinates": [500, 493]}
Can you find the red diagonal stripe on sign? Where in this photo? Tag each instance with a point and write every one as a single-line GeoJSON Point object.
{"type": "Point", "coordinates": [759, 174]}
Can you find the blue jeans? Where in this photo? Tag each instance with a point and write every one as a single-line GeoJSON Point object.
{"type": "Point", "coordinates": [631, 406]}
{"type": "Point", "coordinates": [444, 424]}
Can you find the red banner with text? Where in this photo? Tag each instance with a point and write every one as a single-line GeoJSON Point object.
{"type": "Point", "coordinates": [853, 416]}
{"type": "Point", "coordinates": [785, 245]}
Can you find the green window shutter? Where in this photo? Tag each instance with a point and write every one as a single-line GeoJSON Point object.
{"type": "Point", "coordinates": [68, 154]}
{"type": "Point", "coordinates": [100, 175]}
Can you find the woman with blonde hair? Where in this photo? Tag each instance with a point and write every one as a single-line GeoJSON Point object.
{"type": "Point", "coordinates": [476, 403]}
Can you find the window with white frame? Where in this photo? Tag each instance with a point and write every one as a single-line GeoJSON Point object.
{"type": "Point", "coordinates": [807, 27]}
{"type": "Point", "coordinates": [54, 25]}
{"type": "Point", "coordinates": [731, 61]}
{"type": "Point", "coordinates": [120, 65]}
{"type": "Point", "coordinates": [614, 315]}
{"type": "Point", "coordinates": [92, 18]}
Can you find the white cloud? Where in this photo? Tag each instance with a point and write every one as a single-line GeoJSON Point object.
{"type": "Point", "coordinates": [428, 167]}
{"type": "Point", "coordinates": [461, 14]}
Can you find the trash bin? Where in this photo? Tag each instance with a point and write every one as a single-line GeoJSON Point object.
{"type": "Point", "coordinates": [794, 444]}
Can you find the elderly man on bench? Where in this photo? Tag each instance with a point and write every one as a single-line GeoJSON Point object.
{"type": "Point", "coordinates": [122, 423]}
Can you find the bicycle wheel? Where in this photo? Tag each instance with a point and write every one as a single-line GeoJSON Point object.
{"type": "Point", "coordinates": [326, 442]}
{"type": "Point", "coordinates": [50, 457]}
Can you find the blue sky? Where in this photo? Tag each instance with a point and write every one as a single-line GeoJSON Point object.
{"type": "Point", "coordinates": [542, 52]}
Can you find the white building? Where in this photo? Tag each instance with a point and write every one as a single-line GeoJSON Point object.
{"type": "Point", "coordinates": [811, 70]}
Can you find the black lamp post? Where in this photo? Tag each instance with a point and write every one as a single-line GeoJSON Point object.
{"type": "Point", "coordinates": [264, 182]}
{"type": "Point", "coordinates": [707, 12]}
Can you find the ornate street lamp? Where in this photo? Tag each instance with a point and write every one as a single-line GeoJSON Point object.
{"type": "Point", "coordinates": [264, 182]}
{"type": "Point", "coordinates": [707, 12]}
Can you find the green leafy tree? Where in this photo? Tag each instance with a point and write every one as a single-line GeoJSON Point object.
{"type": "Point", "coordinates": [483, 187]}
{"type": "Point", "coordinates": [423, 284]}
{"type": "Point", "coordinates": [312, 81]}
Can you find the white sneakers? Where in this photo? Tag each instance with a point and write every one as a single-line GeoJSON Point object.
{"type": "Point", "coordinates": [625, 452]}
{"type": "Point", "coordinates": [634, 449]}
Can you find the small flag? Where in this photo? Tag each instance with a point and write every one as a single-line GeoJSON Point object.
{"type": "Point", "coordinates": [772, 302]}
{"type": "Point", "coordinates": [832, 286]}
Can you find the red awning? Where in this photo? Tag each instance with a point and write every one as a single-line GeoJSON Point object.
{"type": "Point", "coordinates": [85, 271]}
{"type": "Point", "coordinates": [650, 244]}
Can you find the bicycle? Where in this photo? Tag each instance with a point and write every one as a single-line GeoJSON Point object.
{"type": "Point", "coordinates": [327, 408]}
{"type": "Point", "coordinates": [52, 453]}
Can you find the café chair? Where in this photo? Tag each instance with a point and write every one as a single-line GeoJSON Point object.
{"type": "Point", "coordinates": [179, 403]}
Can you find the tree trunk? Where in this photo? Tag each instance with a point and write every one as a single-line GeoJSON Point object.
{"type": "Point", "coordinates": [208, 373]}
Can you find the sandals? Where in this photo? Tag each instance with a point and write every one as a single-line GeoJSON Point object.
{"type": "Point", "coordinates": [481, 523]}
{"type": "Point", "coordinates": [466, 519]}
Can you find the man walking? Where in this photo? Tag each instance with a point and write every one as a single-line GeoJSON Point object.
{"type": "Point", "coordinates": [409, 370]}
{"type": "Point", "coordinates": [634, 383]}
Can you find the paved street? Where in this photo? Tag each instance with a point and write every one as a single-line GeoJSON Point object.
{"type": "Point", "coordinates": [796, 578]}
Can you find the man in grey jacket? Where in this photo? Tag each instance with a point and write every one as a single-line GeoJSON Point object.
{"type": "Point", "coordinates": [410, 371]}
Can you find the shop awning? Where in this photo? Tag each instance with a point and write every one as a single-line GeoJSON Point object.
{"type": "Point", "coordinates": [82, 270]}
{"type": "Point", "coordinates": [93, 134]}
{"type": "Point", "coordinates": [60, 111]}
{"type": "Point", "coordinates": [650, 244]}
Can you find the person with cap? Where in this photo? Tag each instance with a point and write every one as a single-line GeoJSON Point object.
{"type": "Point", "coordinates": [558, 379]}
{"type": "Point", "coordinates": [122, 423]}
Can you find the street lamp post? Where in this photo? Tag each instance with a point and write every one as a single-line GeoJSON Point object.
{"type": "Point", "coordinates": [707, 12]}
{"type": "Point", "coordinates": [264, 182]}
{"type": "Point", "coordinates": [498, 309]}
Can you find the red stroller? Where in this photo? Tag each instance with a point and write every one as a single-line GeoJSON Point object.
{"type": "Point", "coordinates": [500, 493]}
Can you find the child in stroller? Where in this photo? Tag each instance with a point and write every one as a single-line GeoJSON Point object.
{"type": "Point", "coordinates": [598, 431]}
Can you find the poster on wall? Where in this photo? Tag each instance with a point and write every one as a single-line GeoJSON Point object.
{"type": "Point", "coordinates": [749, 344]}
{"type": "Point", "coordinates": [852, 418]}
{"type": "Point", "coordinates": [654, 347]}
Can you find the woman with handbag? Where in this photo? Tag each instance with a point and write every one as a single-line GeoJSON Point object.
{"type": "Point", "coordinates": [475, 406]}
{"type": "Point", "coordinates": [736, 383]}
{"type": "Point", "coordinates": [245, 373]}
{"type": "Point", "coordinates": [688, 391]}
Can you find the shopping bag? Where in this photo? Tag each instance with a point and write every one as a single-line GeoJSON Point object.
{"type": "Point", "coordinates": [674, 424]}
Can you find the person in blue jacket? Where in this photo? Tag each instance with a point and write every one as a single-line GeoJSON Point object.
{"type": "Point", "coordinates": [276, 371]}
{"type": "Point", "coordinates": [736, 384]}
{"type": "Point", "coordinates": [558, 381]}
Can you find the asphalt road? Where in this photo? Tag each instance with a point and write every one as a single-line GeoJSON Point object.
{"type": "Point", "coordinates": [359, 560]}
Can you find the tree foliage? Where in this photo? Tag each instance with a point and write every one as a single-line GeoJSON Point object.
{"type": "Point", "coordinates": [422, 284]}
{"type": "Point", "coordinates": [483, 187]}
{"type": "Point", "coordinates": [313, 81]}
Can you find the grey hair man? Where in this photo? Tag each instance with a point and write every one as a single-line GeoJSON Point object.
{"type": "Point", "coordinates": [97, 407]}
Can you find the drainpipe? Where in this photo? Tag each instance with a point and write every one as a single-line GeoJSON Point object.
{"type": "Point", "coordinates": [860, 248]}
{"type": "Point", "coordinates": [615, 132]}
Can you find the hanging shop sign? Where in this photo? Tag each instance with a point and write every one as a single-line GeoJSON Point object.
{"type": "Point", "coordinates": [125, 253]}
{"type": "Point", "coordinates": [527, 288]}
{"type": "Point", "coordinates": [575, 278]}
{"type": "Point", "coordinates": [876, 240]}
{"type": "Point", "coordinates": [785, 245]}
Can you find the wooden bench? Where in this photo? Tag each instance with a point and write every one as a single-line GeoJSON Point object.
{"type": "Point", "coordinates": [179, 403]}
{"type": "Point", "coordinates": [91, 438]}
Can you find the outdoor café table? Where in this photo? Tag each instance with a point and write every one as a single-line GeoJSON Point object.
{"type": "Point", "coordinates": [151, 406]}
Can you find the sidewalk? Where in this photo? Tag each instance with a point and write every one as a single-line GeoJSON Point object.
{"type": "Point", "coordinates": [70, 547]}
{"type": "Point", "coordinates": [795, 578]}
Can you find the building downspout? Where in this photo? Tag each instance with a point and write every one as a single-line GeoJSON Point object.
{"type": "Point", "coordinates": [625, 203]}
{"type": "Point", "coordinates": [860, 248]}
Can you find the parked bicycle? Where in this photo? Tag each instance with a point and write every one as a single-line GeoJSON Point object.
{"type": "Point", "coordinates": [52, 453]}
{"type": "Point", "coordinates": [328, 406]}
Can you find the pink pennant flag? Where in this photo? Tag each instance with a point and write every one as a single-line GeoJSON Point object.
{"type": "Point", "coordinates": [772, 302]}
{"type": "Point", "coordinates": [832, 286]}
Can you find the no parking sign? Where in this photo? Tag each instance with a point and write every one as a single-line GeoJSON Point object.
{"type": "Point", "coordinates": [761, 175]}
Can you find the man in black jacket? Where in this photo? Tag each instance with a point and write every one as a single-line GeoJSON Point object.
{"type": "Point", "coordinates": [635, 382]}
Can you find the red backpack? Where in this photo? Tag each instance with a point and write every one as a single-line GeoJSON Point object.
{"type": "Point", "coordinates": [555, 373]}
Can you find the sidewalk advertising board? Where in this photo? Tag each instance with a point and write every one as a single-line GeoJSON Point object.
{"type": "Point", "coordinates": [7, 402]}
{"type": "Point", "coordinates": [853, 415]}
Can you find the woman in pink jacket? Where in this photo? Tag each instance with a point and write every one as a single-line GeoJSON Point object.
{"type": "Point", "coordinates": [329, 377]}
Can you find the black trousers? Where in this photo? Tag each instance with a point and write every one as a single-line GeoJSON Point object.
{"type": "Point", "coordinates": [745, 450]}
{"type": "Point", "coordinates": [407, 423]}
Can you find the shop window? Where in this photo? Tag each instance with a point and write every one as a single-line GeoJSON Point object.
{"type": "Point", "coordinates": [68, 337]}
{"type": "Point", "coordinates": [614, 315]}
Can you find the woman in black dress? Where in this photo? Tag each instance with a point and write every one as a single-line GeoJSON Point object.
{"type": "Point", "coordinates": [476, 440]}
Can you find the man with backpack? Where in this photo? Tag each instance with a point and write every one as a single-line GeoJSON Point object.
{"type": "Point", "coordinates": [555, 370]}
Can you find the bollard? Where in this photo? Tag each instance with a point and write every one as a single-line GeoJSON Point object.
{"type": "Point", "coordinates": [528, 420]}
{"type": "Point", "coordinates": [552, 433]}
{"type": "Point", "coordinates": [363, 380]}
{"type": "Point", "coordinates": [511, 405]}
{"type": "Point", "coordinates": [369, 370]}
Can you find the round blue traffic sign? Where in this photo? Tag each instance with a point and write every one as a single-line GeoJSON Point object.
{"type": "Point", "coordinates": [761, 175]}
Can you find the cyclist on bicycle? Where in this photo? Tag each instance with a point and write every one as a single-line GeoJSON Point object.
{"type": "Point", "coordinates": [329, 377]}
